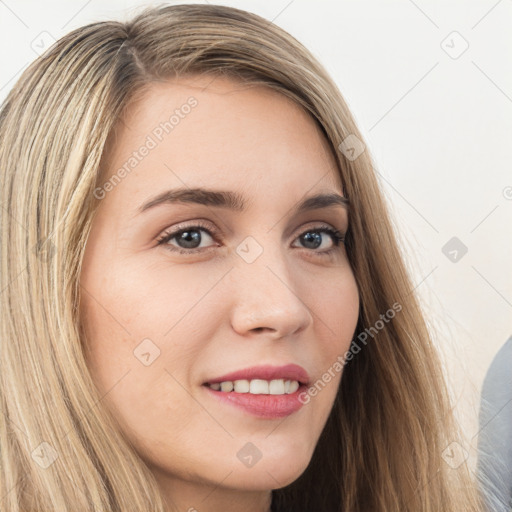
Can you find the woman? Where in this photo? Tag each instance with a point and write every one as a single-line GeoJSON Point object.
{"type": "Point", "coordinates": [204, 306]}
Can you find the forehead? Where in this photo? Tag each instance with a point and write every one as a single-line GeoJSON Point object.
{"type": "Point", "coordinates": [202, 131]}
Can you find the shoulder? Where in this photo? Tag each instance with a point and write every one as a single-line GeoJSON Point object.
{"type": "Point", "coordinates": [497, 384]}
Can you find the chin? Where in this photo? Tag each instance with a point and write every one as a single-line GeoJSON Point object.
{"type": "Point", "coordinates": [271, 472]}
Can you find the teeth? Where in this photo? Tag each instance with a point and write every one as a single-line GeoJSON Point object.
{"type": "Point", "coordinates": [294, 385]}
{"type": "Point", "coordinates": [226, 386]}
{"type": "Point", "coordinates": [242, 386]}
{"type": "Point", "coordinates": [276, 387]}
{"type": "Point", "coordinates": [257, 386]}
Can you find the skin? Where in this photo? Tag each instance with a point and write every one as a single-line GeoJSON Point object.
{"type": "Point", "coordinates": [212, 312]}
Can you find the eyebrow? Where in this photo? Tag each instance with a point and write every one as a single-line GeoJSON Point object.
{"type": "Point", "coordinates": [234, 201]}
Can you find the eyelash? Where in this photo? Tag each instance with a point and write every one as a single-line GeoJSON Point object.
{"type": "Point", "coordinates": [166, 237]}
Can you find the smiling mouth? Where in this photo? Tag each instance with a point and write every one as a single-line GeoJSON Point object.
{"type": "Point", "coordinates": [257, 386]}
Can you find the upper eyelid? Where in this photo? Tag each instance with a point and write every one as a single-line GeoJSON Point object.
{"type": "Point", "coordinates": [207, 225]}
{"type": "Point", "coordinates": [191, 224]}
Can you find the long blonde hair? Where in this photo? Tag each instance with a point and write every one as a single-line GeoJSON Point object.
{"type": "Point", "coordinates": [60, 448]}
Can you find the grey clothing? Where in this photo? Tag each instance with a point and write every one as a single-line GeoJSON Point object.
{"type": "Point", "coordinates": [495, 435]}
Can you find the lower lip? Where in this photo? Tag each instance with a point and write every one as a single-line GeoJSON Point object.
{"type": "Point", "coordinates": [263, 406]}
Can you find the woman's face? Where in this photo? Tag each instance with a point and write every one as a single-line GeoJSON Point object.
{"type": "Point", "coordinates": [243, 277]}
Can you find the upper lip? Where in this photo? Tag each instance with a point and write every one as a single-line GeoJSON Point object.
{"type": "Point", "coordinates": [266, 372]}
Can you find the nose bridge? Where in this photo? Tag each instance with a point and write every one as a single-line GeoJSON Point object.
{"type": "Point", "coordinates": [265, 291]}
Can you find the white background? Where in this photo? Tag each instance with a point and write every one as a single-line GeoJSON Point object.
{"type": "Point", "coordinates": [438, 125]}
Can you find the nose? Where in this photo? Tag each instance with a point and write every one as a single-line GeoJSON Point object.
{"type": "Point", "coordinates": [266, 298]}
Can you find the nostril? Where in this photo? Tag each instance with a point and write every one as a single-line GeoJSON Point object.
{"type": "Point", "coordinates": [261, 329]}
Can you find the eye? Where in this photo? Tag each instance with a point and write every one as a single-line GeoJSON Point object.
{"type": "Point", "coordinates": [188, 239]}
{"type": "Point", "coordinates": [313, 239]}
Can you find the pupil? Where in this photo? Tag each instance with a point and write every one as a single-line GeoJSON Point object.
{"type": "Point", "coordinates": [314, 238]}
{"type": "Point", "coordinates": [190, 237]}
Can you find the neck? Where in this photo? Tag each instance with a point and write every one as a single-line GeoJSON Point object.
{"type": "Point", "coordinates": [183, 495]}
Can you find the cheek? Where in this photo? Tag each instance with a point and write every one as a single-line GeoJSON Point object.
{"type": "Point", "coordinates": [130, 303]}
{"type": "Point", "coordinates": [337, 311]}
{"type": "Point", "coordinates": [133, 321]}
{"type": "Point", "coordinates": [127, 357]}
{"type": "Point", "coordinates": [336, 315]}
